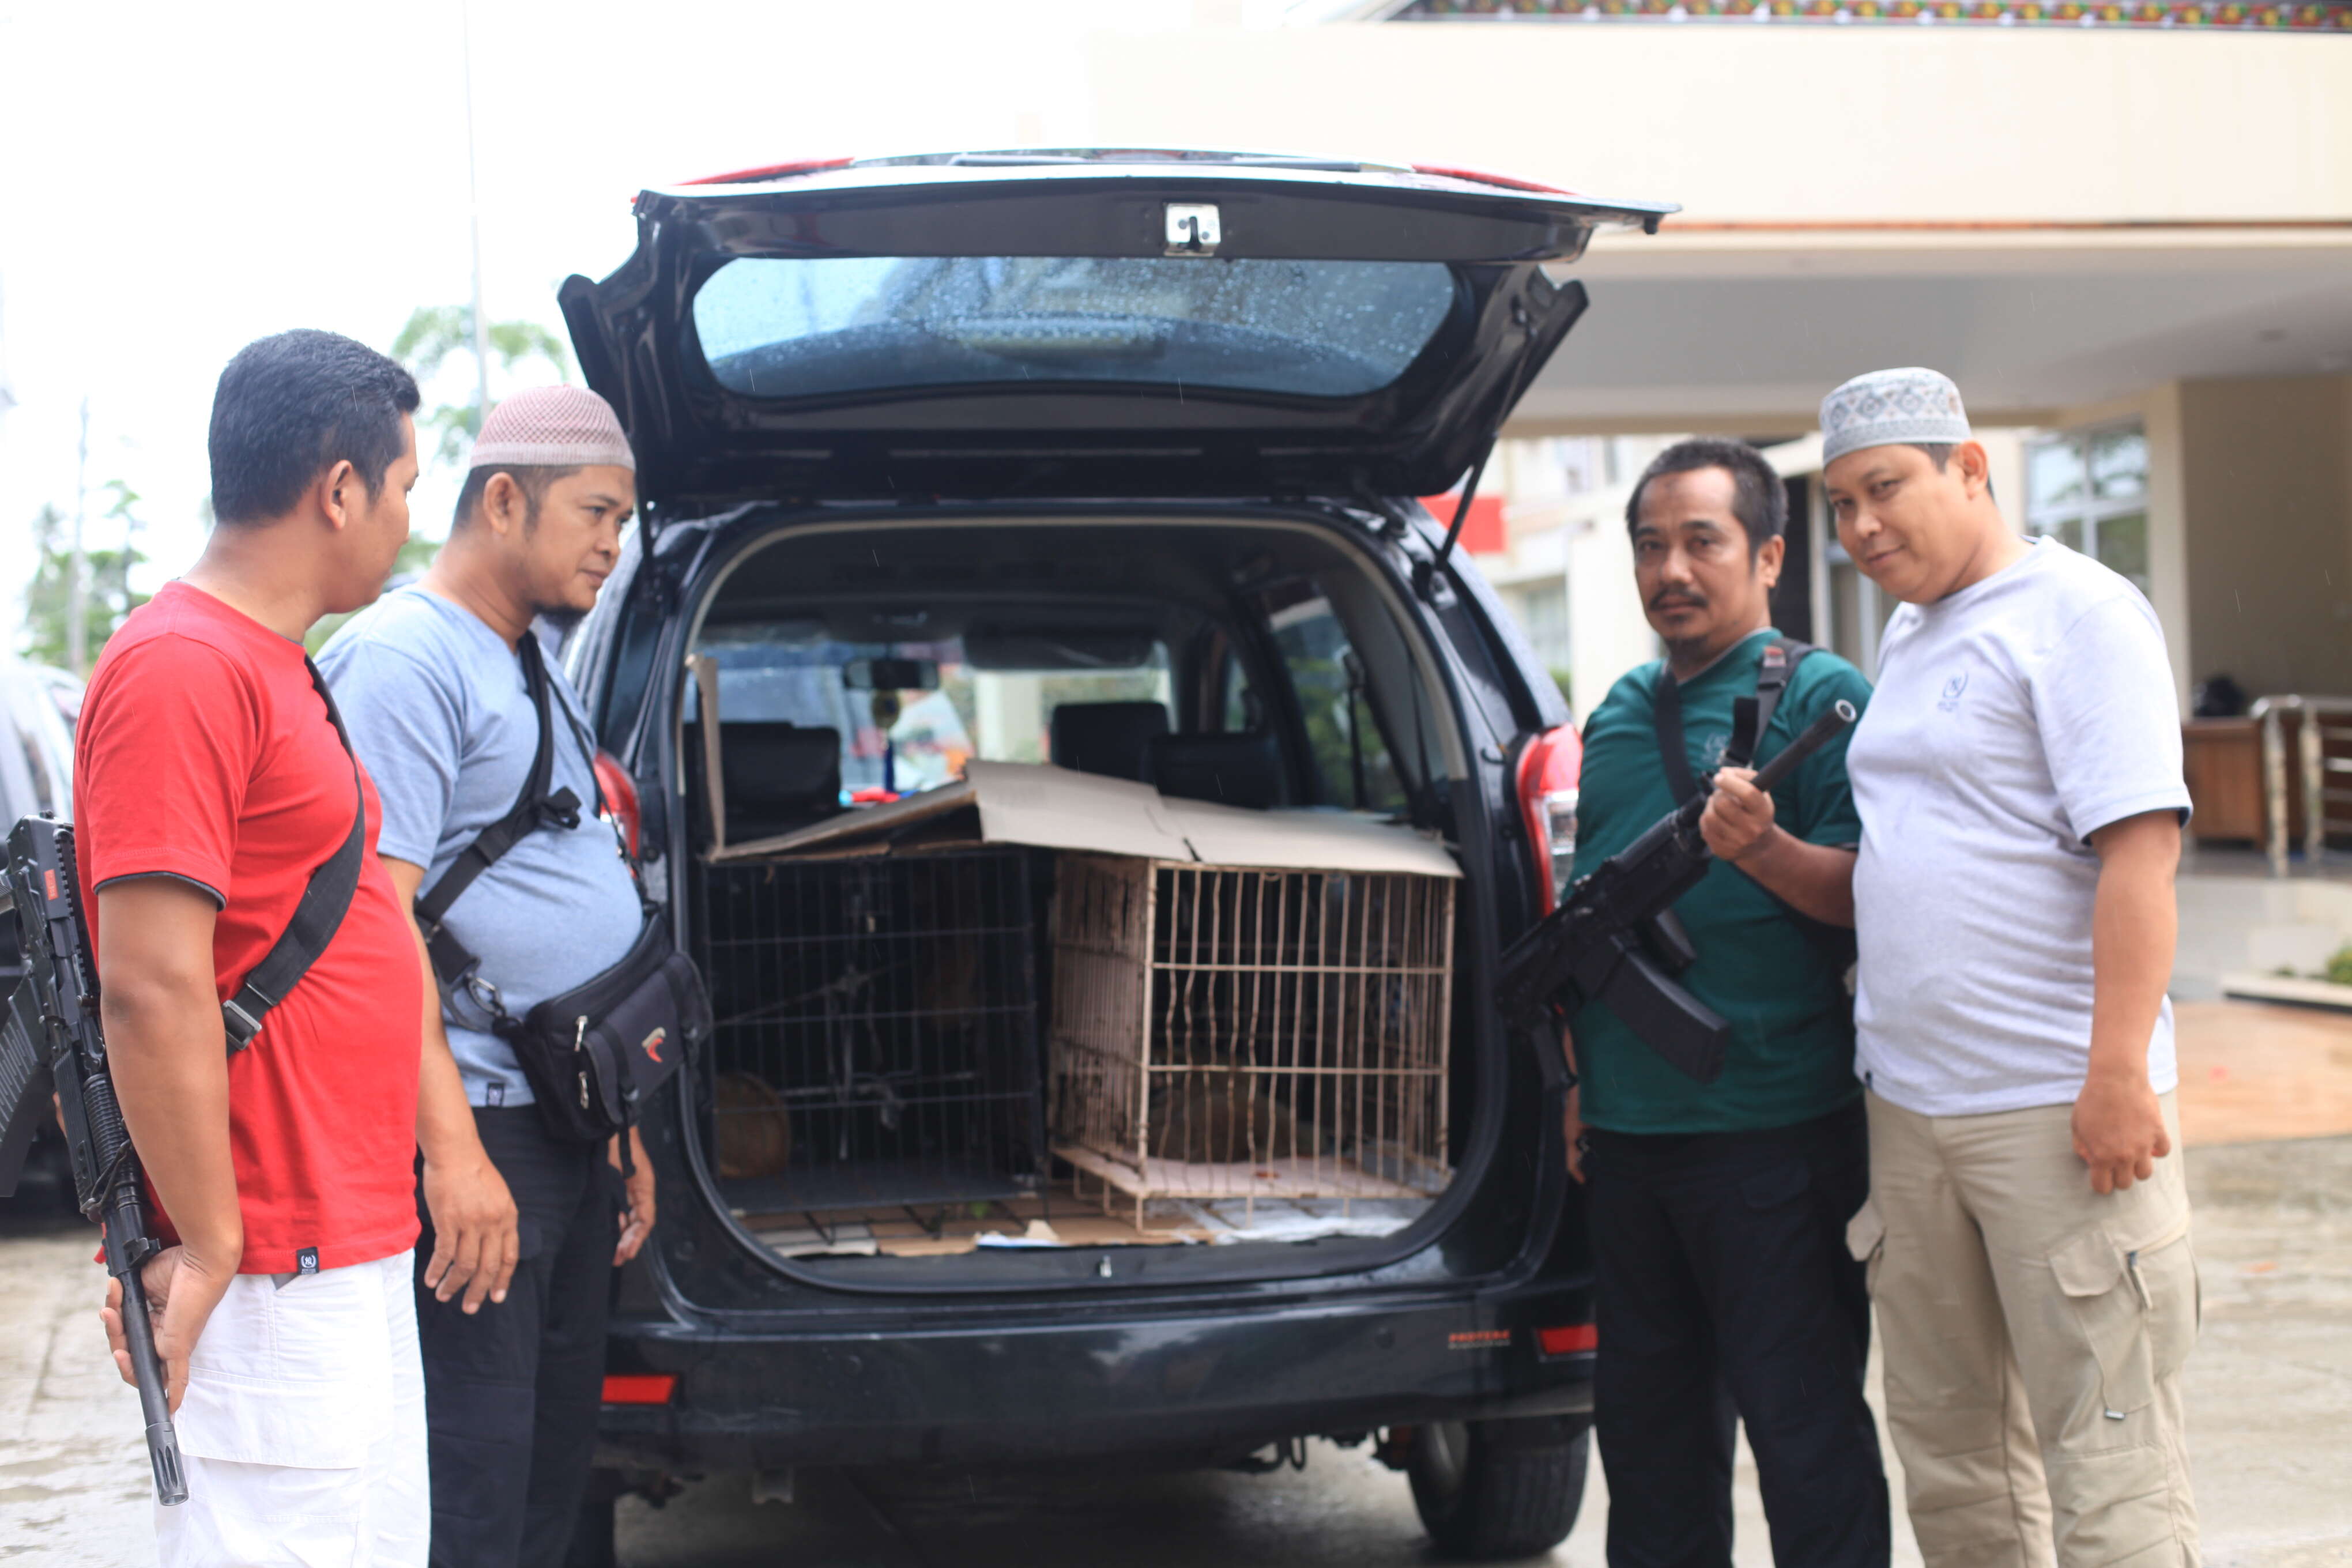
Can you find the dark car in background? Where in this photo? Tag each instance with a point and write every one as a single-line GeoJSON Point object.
{"type": "Point", "coordinates": [1103, 459]}
{"type": "Point", "coordinates": [37, 710]}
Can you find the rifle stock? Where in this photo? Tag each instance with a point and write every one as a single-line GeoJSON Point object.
{"type": "Point", "coordinates": [1591, 947]}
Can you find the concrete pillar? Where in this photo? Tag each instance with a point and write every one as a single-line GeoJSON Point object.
{"type": "Point", "coordinates": [2168, 536]}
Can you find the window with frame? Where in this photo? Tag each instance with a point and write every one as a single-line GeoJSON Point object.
{"type": "Point", "coordinates": [1353, 767]}
{"type": "Point", "coordinates": [2088, 490]}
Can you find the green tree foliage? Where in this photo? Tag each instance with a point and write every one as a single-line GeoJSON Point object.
{"type": "Point", "coordinates": [433, 335]}
{"type": "Point", "coordinates": [45, 637]}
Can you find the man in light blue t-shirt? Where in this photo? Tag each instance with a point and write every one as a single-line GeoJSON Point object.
{"type": "Point", "coordinates": [2018, 780]}
{"type": "Point", "coordinates": [432, 685]}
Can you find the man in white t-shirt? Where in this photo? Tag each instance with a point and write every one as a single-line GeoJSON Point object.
{"type": "Point", "coordinates": [2018, 780]}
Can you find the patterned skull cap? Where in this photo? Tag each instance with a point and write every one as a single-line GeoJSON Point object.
{"type": "Point", "coordinates": [552, 427]}
{"type": "Point", "coordinates": [1892, 407]}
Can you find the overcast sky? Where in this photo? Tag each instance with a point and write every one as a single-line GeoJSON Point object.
{"type": "Point", "coordinates": [179, 180]}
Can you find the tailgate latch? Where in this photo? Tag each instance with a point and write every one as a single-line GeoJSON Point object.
{"type": "Point", "coordinates": [1192, 229]}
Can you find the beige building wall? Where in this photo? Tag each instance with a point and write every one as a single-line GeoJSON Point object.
{"type": "Point", "coordinates": [1807, 124]}
{"type": "Point", "coordinates": [2266, 471]}
{"type": "Point", "coordinates": [2249, 527]}
{"type": "Point", "coordinates": [1885, 153]}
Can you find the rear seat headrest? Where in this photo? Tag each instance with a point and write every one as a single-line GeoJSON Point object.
{"type": "Point", "coordinates": [772, 768]}
{"type": "Point", "coordinates": [1105, 738]}
{"type": "Point", "coordinates": [1232, 770]}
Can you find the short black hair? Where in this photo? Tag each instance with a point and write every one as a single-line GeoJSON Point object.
{"type": "Point", "coordinates": [1758, 499]}
{"type": "Point", "coordinates": [288, 407]}
{"type": "Point", "coordinates": [532, 479]}
{"type": "Point", "coordinates": [1938, 452]}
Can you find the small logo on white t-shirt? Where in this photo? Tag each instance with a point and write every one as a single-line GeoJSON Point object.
{"type": "Point", "coordinates": [1950, 699]}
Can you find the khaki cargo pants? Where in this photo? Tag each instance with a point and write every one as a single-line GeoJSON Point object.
{"type": "Point", "coordinates": [2035, 1335]}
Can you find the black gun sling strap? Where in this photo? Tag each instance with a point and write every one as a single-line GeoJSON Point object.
{"type": "Point", "coordinates": [1749, 715]}
{"type": "Point", "coordinates": [591, 1052]}
{"type": "Point", "coordinates": [326, 899]}
{"type": "Point", "coordinates": [534, 808]}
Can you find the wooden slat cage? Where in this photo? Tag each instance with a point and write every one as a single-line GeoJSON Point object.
{"type": "Point", "coordinates": [1241, 1033]}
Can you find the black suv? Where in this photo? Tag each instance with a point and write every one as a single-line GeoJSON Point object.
{"type": "Point", "coordinates": [1105, 459]}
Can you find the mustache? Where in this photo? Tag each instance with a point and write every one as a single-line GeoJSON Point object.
{"type": "Point", "coordinates": [1676, 598]}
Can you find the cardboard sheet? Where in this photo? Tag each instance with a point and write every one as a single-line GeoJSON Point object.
{"type": "Point", "coordinates": [1053, 808]}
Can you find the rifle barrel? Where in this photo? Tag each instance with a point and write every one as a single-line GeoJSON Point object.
{"type": "Point", "coordinates": [148, 1372]}
{"type": "Point", "coordinates": [1817, 735]}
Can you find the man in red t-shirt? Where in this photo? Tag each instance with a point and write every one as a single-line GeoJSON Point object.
{"type": "Point", "coordinates": [210, 784]}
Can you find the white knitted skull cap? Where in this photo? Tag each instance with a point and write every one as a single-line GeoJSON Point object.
{"type": "Point", "coordinates": [1910, 406]}
{"type": "Point", "coordinates": [552, 427]}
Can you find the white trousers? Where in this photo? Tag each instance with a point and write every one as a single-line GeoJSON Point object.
{"type": "Point", "coordinates": [303, 1428]}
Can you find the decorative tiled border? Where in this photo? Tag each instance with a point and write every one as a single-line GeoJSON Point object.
{"type": "Point", "coordinates": [2211, 14]}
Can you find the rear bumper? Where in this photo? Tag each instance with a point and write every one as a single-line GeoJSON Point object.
{"type": "Point", "coordinates": [1208, 1387]}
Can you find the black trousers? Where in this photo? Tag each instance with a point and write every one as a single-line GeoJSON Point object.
{"type": "Point", "coordinates": [1726, 1291]}
{"type": "Point", "coordinates": [512, 1393]}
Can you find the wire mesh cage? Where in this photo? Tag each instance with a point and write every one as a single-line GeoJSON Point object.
{"type": "Point", "coordinates": [1238, 1033]}
{"type": "Point", "coordinates": [876, 1035]}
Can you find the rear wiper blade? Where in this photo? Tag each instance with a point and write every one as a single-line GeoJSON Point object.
{"type": "Point", "coordinates": [1274, 161]}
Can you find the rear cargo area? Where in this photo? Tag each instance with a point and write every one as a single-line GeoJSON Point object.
{"type": "Point", "coordinates": [1061, 887]}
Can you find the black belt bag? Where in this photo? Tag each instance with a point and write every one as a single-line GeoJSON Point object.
{"type": "Point", "coordinates": [594, 1052]}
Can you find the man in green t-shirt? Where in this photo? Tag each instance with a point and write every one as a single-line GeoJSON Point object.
{"type": "Point", "coordinates": [1718, 1211]}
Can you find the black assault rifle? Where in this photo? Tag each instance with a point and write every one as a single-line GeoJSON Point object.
{"type": "Point", "coordinates": [1615, 939]}
{"type": "Point", "coordinates": [50, 1044]}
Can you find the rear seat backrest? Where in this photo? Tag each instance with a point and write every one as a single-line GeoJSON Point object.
{"type": "Point", "coordinates": [777, 776]}
{"type": "Point", "coordinates": [1106, 737]}
{"type": "Point", "coordinates": [1232, 770]}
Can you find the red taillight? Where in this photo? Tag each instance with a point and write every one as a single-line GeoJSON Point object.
{"type": "Point", "coordinates": [620, 796]}
{"type": "Point", "coordinates": [641, 1388]}
{"type": "Point", "coordinates": [1549, 769]}
{"type": "Point", "coordinates": [1572, 1339]}
{"type": "Point", "coordinates": [771, 172]}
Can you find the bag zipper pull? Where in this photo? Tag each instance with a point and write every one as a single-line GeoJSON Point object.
{"type": "Point", "coordinates": [579, 1044]}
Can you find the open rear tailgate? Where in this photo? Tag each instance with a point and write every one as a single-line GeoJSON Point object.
{"type": "Point", "coordinates": [1098, 324]}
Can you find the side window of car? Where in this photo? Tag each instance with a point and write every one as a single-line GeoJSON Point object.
{"type": "Point", "coordinates": [44, 796]}
{"type": "Point", "coordinates": [24, 781]}
{"type": "Point", "coordinates": [1240, 710]}
{"type": "Point", "coordinates": [24, 790]}
{"type": "Point", "coordinates": [1352, 765]}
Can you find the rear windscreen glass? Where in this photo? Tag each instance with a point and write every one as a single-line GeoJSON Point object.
{"type": "Point", "coordinates": [984, 703]}
{"type": "Point", "coordinates": [793, 327]}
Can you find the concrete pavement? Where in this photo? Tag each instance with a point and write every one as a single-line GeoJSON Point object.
{"type": "Point", "coordinates": [74, 1483]}
{"type": "Point", "coordinates": [2270, 1397]}
{"type": "Point", "coordinates": [2270, 1403]}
